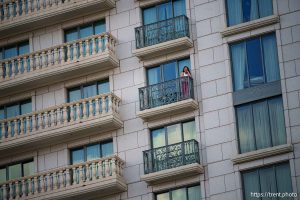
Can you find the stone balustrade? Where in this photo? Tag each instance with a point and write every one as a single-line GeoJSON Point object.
{"type": "Point", "coordinates": [62, 179]}
{"type": "Point", "coordinates": [59, 116]}
{"type": "Point", "coordinates": [14, 9]}
{"type": "Point", "coordinates": [39, 61]}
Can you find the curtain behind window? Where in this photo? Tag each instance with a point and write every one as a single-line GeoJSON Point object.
{"type": "Point", "coordinates": [194, 193]}
{"type": "Point", "coordinates": [189, 131]}
{"type": "Point", "coordinates": [179, 194]}
{"type": "Point", "coordinates": [265, 8]}
{"type": "Point", "coordinates": [267, 180]}
{"type": "Point", "coordinates": [158, 138]}
{"type": "Point", "coordinates": [270, 58]}
{"type": "Point", "coordinates": [234, 12]}
{"type": "Point", "coordinates": [238, 59]}
{"type": "Point", "coordinates": [179, 7]}
{"type": "Point", "coordinates": [93, 152]}
{"type": "Point", "coordinates": [174, 134]}
{"type": "Point", "coordinates": [251, 184]}
{"type": "Point", "coordinates": [283, 179]}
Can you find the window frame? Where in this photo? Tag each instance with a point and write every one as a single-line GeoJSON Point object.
{"type": "Point", "coordinates": [84, 148]}
{"type": "Point", "coordinates": [186, 187]}
{"type": "Point", "coordinates": [81, 88]}
{"type": "Point", "coordinates": [16, 45]}
{"type": "Point", "coordinates": [18, 103]}
{"type": "Point", "coordinates": [6, 167]}
{"type": "Point", "coordinates": [160, 65]}
{"type": "Point", "coordinates": [92, 23]}
{"type": "Point", "coordinates": [165, 130]}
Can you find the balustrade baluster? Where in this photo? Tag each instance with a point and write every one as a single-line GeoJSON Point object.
{"type": "Point", "coordinates": [107, 168]}
{"type": "Point", "coordinates": [97, 107]}
{"type": "Point", "coordinates": [17, 190]}
{"type": "Point", "coordinates": [27, 124]}
{"type": "Point", "coordinates": [46, 119]}
{"type": "Point", "coordinates": [56, 56]}
{"type": "Point", "coordinates": [23, 7]}
{"type": "Point", "coordinates": [9, 130]}
{"type": "Point", "coordinates": [91, 113]}
{"type": "Point", "coordinates": [35, 183]}
{"type": "Point", "coordinates": [19, 66]}
{"type": "Point", "coordinates": [109, 103]}
{"type": "Point", "coordinates": [44, 61]}
{"type": "Point", "coordinates": [11, 190]}
{"type": "Point", "coordinates": [52, 118]}
{"type": "Point", "coordinates": [88, 174]}
{"type": "Point", "coordinates": [13, 69]}
{"type": "Point", "coordinates": [4, 191]}
{"type": "Point", "coordinates": [3, 131]}
{"type": "Point", "coordinates": [103, 105]}
{"type": "Point", "coordinates": [94, 45]}
{"type": "Point", "coordinates": [81, 49]}
{"type": "Point", "coordinates": [84, 110]}
{"type": "Point", "coordinates": [22, 126]}
{"type": "Point", "coordinates": [1, 71]}
{"type": "Point", "coordinates": [58, 119]}
{"type": "Point", "coordinates": [62, 55]}
{"type": "Point", "coordinates": [80, 174]}
{"type": "Point", "coordinates": [31, 62]}
{"type": "Point", "coordinates": [100, 169]}
{"type": "Point", "coordinates": [5, 11]}
{"type": "Point", "coordinates": [25, 64]}
{"type": "Point", "coordinates": [42, 183]}
{"type": "Point", "coordinates": [50, 3]}
{"type": "Point", "coordinates": [88, 47]}
{"type": "Point", "coordinates": [77, 111]}
{"type": "Point", "coordinates": [65, 115]}
{"type": "Point", "coordinates": [17, 8]}
{"type": "Point", "coordinates": [60, 179]}
{"type": "Point", "coordinates": [68, 53]}
{"type": "Point", "coordinates": [55, 186]}
{"type": "Point", "coordinates": [75, 52]}
{"type": "Point", "coordinates": [106, 43]}
{"type": "Point", "coordinates": [50, 59]}
{"type": "Point", "coordinates": [23, 188]}
{"type": "Point", "coordinates": [16, 132]}
{"type": "Point", "coordinates": [7, 70]}
{"type": "Point", "coordinates": [49, 182]}
{"type": "Point", "coordinates": [29, 187]}
{"type": "Point", "coordinates": [68, 180]}
{"type": "Point", "coordinates": [10, 11]}
{"type": "Point", "coordinates": [94, 172]}
{"type": "Point", "coordinates": [33, 5]}
{"type": "Point", "coordinates": [113, 166]}
{"type": "Point", "coordinates": [74, 180]}
{"type": "Point", "coordinates": [72, 113]}
{"type": "Point", "coordinates": [37, 62]}
{"type": "Point", "coordinates": [40, 121]}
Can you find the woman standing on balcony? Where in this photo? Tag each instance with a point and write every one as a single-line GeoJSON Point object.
{"type": "Point", "coordinates": [185, 81]}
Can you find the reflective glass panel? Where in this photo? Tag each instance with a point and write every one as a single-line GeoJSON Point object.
{"type": "Point", "coordinates": [12, 111]}
{"type": "Point", "coordinates": [10, 52]}
{"type": "Point", "coordinates": [3, 177]}
{"type": "Point", "coordinates": [163, 196]}
{"type": "Point", "coordinates": [93, 152]}
{"type": "Point", "coordinates": [74, 95]}
{"type": "Point", "coordinates": [77, 156]}
{"type": "Point", "coordinates": [86, 31]}
{"type": "Point", "coordinates": [89, 91]}
{"type": "Point", "coordinates": [189, 131]}
{"type": "Point", "coordinates": [179, 194]}
{"type": "Point", "coordinates": [158, 138]}
{"type": "Point", "coordinates": [71, 35]}
{"type": "Point", "coordinates": [194, 193]}
{"type": "Point", "coordinates": [100, 27]}
{"type": "Point", "coordinates": [14, 171]}
{"type": "Point", "coordinates": [26, 108]}
{"type": "Point", "coordinates": [28, 168]}
{"type": "Point", "coordinates": [174, 134]}
{"type": "Point", "coordinates": [154, 75]}
{"type": "Point", "coordinates": [107, 149]}
{"type": "Point", "coordinates": [169, 71]}
{"type": "Point", "coordinates": [103, 87]}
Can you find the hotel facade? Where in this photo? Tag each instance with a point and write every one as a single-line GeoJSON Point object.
{"type": "Point", "coordinates": [96, 101]}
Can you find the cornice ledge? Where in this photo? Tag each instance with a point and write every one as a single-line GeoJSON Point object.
{"type": "Point", "coordinates": [174, 173]}
{"type": "Point", "coordinates": [163, 48]}
{"type": "Point", "coordinates": [262, 153]}
{"type": "Point", "coordinates": [185, 105]}
{"type": "Point", "coordinates": [247, 26]}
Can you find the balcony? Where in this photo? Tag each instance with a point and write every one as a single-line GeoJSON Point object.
{"type": "Point", "coordinates": [95, 178]}
{"type": "Point", "coordinates": [170, 97]}
{"type": "Point", "coordinates": [19, 15]}
{"type": "Point", "coordinates": [171, 162]}
{"type": "Point", "coordinates": [162, 37]}
{"type": "Point", "coordinates": [88, 116]}
{"type": "Point", "coordinates": [68, 60]}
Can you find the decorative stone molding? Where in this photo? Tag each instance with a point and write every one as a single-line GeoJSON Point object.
{"type": "Point", "coordinates": [99, 113]}
{"type": "Point", "coordinates": [262, 153]}
{"type": "Point", "coordinates": [44, 12]}
{"type": "Point", "coordinates": [172, 174]}
{"type": "Point", "coordinates": [251, 25]}
{"type": "Point", "coordinates": [103, 177]}
{"type": "Point", "coordinates": [163, 48]}
{"type": "Point", "coordinates": [72, 59]}
{"type": "Point", "coordinates": [165, 110]}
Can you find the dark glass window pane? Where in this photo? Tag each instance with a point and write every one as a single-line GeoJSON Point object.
{"type": "Point", "coordinates": [265, 8]}
{"type": "Point", "coordinates": [254, 59]}
{"type": "Point", "coordinates": [153, 75]}
{"type": "Point", "coordinates": [86, 31]}
{"type": "Point", "coordinates": [26, 108]}
{"type": "Point", "coordinates": [251, 184]}
{"type": "Point", "coordinates": [158, 138]}
{"type": "Point", "coordinates": [1, 57]}
{"type": "Point", "coordinates": [28, 168]}
{"type": "Point", "coordinates": [74, 95]}
{"type": "Point", "coordinates": [174, 134]}
{"type": "Point", "coordinates": [267, 180]}
{"type": "Point", "coordinates": [77, 156]}
{"type": "Point", "coordinates": [12, 111]}
{"type": "Point", "coordinates": [24, 48]}
{"type": "Point", "coordinates": [169, 71]}
{"type": "Point", "coordinates": [179, 194]}
{"type": "Point", "coordinates": [194, 193]}
{"type": "Point", "coordinates": [149, 15]}
{"type": "Point", "coordinates": [250, 10]}
{"type": "Point", "coordinates": [107, 149]}
{"type": "Point", "coordinates": [283, 178]}
{"type": "Point", "coordinates": [14, 171]}
{"type": "Point", "coordinates": [189, 131]}
{"type": "Point", "coordinates": [179, 7]}
{"type": "Point", "coordinates": [89, 91]}
{"type": "Point", "coordinates": [3, 177]}
{"type": "Point", "coordinates": [10, 52]}
{"type": "Point", "coordinates": [100, 27]}
{"type": "Point", "coordinates": [103, 87]}
{"type": "Point", "coordinates": [71, 35]}
{"type": "Point", "coordinates": [2, 114]}
{"type": "Point", "coordinates": [93, 152]}
{"type": "Point", "coordinates": [165, 11]}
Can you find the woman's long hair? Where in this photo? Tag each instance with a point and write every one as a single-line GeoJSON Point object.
{"type": "Point", "coordinates": [187, 69]}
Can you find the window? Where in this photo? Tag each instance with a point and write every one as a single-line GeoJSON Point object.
{"type": "Point", "coordinates": [91, 152]}
{"type": "Point", "coordinates": [254, 62]}
{"type": "Point", "coordinates": [13, 110]}
{"type": "Point", "coordinates": [185, 193]}
{"type": "Point", "coordinates": [16, 170]}
{"type": "Point", "coordinates": [261, 124]}
{"type": "Point", "coordinates": [85, 31]}
{"type": "Point", "coordinates": [239, 11]}
{"type": "Point", "coordinates": [166, 71]}
{"type": "Point", "coordinates": [275, 179]}
{"type": "Point", "coordinates": [89, 90]}
{"type": "Point", "coordinates": [14, 50]}
{"type": "Point", "coordinates": [163, 11]}
{"type": "Point", "coordinates": [173, 134]}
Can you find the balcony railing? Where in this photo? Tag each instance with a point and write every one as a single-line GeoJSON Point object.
{"type": "Point", "coordinates": [166, 93]}
{"type": "Point", "coordinates": [66, 53]}
{"type": "Point", "coordinates": [171, 156]}
{"type": "Point", "coordinates": [162, 31]}
{"type": "Point", "coordinates": [59, 181]}
{"type": "Point", "coordinates": [32, 124]}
